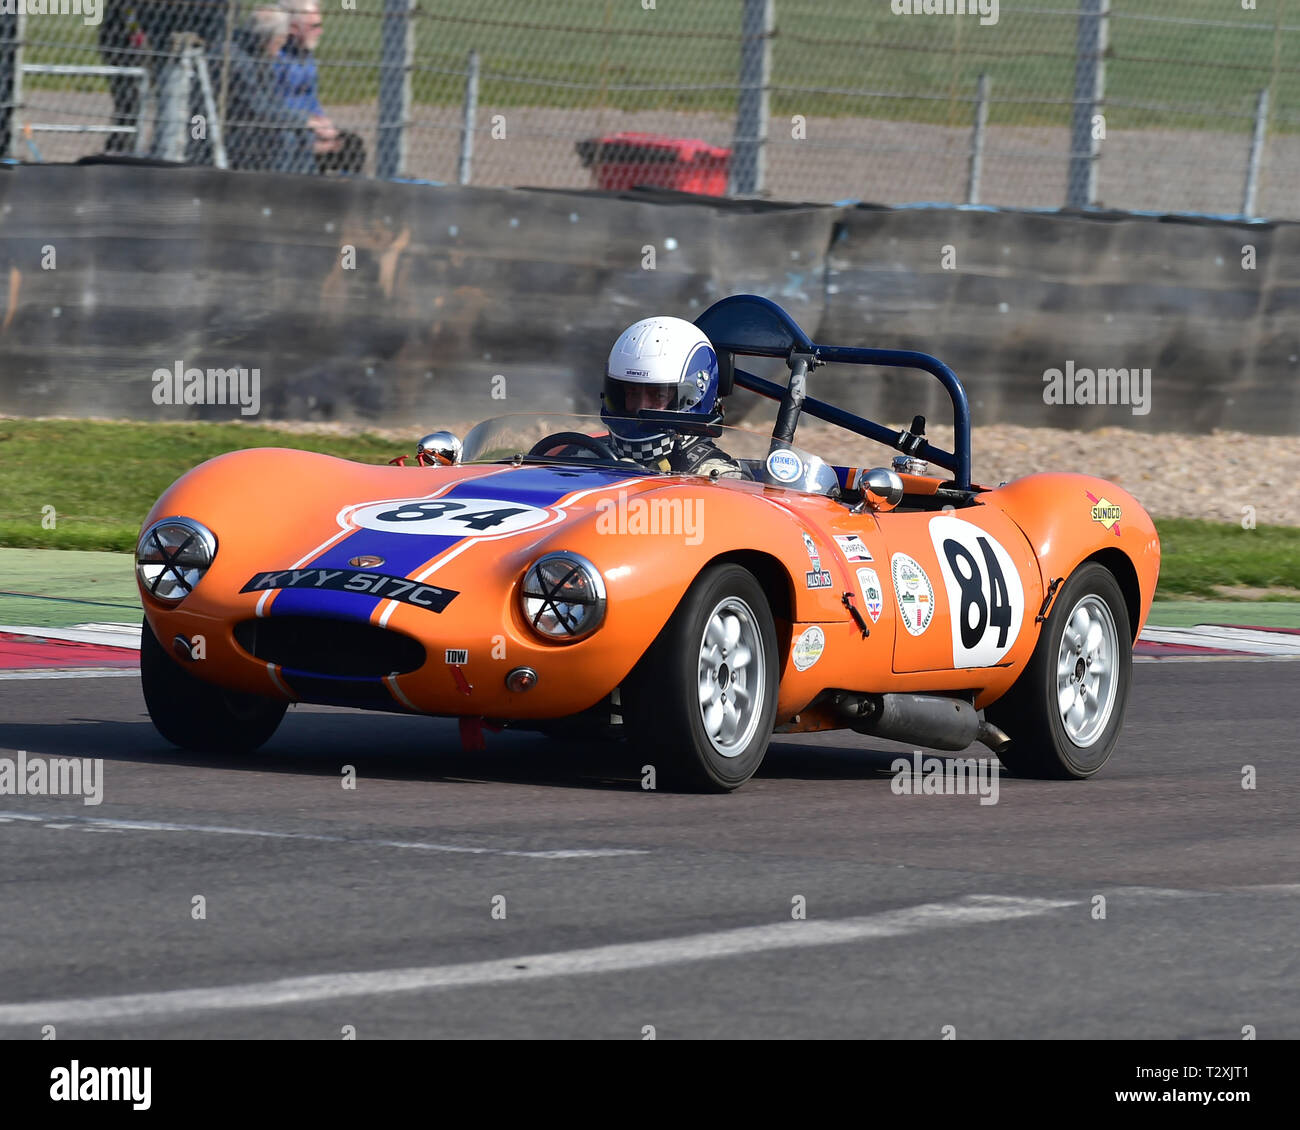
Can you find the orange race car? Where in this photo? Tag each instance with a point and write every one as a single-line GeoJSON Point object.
{"type": "Point", "coordinates": [534, 576]}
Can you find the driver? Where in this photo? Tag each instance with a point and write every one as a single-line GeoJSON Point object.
{"type": "Point", "coordinates": [664, 364]}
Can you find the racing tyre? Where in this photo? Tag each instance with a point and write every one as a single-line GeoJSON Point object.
{"type": "Point", "coordinates": [196, 715]}
{"type": "Point", "coordinates": [1064, 713]}
{"type": "Point", "coordinates": [701, 704]}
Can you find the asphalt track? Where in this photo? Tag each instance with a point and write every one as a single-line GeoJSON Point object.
{"type": "Point", "coordinates": [627, 909]}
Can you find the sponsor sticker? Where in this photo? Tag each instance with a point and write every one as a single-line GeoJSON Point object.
{"type": "Point", "coordinates": [808, 648]}
{"type": "Point", "coordinates": [853, 547]}
{"type": "Point", "coordinates": [816, 577]}
{"type": "Point", "coordinates": [872, 595]}
{"type": "Point", "coordinates": [784, 466]}
{"type": "Point", "coordinates": [457, 654]}
{"type": "Point", "coordinates": [1105, 512]}
{"type": "Point", "coordinates": [915, 593]}
{"type": "Point", "coordinates": [811, 547]}
{"type": "Point", "coordinates": [365, 584]}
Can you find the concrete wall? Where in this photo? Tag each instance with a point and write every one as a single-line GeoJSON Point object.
{"type": "Point", "coordinates": [454, 286]}
{"type": "Point", "coordinates": [1033, 292]}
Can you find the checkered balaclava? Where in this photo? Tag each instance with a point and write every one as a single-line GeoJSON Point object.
{"type": "Point", "coordinates": [651, 449]}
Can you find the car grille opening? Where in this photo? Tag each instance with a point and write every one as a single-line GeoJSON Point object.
{"type": "Point", "coordinates": [330, 647]}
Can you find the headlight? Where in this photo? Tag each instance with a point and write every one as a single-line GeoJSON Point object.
{"type": "Point", "coordinates": [563, 597]}
{"type": "Point", "coordinates": [172, 557]}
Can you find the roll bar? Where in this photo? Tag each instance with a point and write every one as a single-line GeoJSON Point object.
{"type": "Point", "coordinates": [753, 326]}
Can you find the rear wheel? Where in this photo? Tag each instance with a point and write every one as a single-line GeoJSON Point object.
{"type": "Point", "coordinates": [701, 704]}
{"type": "Point", "coordinates": [1064, 713]}
{"type": "Point", "coordinates": [196, 715]}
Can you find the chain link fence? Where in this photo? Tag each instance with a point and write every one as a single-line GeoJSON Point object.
{"type": "Point", "coordinates": [1169, 105]}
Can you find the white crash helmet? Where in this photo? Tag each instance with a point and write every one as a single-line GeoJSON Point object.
{"type": "Point", "coordinates": [671, 354]}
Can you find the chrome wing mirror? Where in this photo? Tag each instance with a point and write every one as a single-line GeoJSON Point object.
{"type": "Point", "coordinates": [881, 488]}
{"type": "Point", "coordinates": [438, 449]}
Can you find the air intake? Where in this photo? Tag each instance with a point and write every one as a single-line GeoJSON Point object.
{"type": "Point", "coordinates": [329, 647]}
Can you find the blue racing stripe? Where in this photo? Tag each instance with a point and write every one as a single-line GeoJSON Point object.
{"type": "Point", "coordinates": [403, 553]}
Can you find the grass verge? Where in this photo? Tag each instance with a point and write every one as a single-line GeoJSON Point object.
{"type": "Point", "coordinates": [101, 477]}
{"type": "Point", "coordinates": [1202, 559]}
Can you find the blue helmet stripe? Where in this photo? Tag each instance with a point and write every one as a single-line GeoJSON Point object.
{"type": "Point", "coordinates": [702, 357]}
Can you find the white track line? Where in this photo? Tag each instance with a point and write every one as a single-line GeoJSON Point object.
{"type": "Point", "coordinates": [1215, 658]}
{"type": "Point", "coordinates": [106, 635]}
{"type": "Point", "coordinates": [1248, 641]}
{"type": "Point", "coordinates": [314, 837]}
{"type": "Point", "coordinates": [71, 673]}
{"type": "Point", "coordinates": [971, 911]}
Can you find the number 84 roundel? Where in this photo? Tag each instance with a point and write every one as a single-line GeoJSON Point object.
{"type": "Point", "coordinates": [984, 592]}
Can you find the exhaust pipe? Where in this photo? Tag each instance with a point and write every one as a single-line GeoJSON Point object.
{"type": "Point", "coordinates": [991, 736]}
{"type": "Point", "coordinates": [936, 721]}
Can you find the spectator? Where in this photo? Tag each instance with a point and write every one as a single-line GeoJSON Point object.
{"type": "Point", "coordinates": [122, 43]}
{"type": "Point", "coordinates": [335, 150]}
{"type": "Point", "coordinates": [262, 130]}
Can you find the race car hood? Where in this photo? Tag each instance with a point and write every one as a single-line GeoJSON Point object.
{"type": "Point", "coordinates": [284, 518]}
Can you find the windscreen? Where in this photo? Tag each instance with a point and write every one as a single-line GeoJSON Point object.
{"type": "Point", "coordinates": [559, 438]}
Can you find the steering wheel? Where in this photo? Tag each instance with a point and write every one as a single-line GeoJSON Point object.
{"type": "Point", "coordinates": [593, 444]}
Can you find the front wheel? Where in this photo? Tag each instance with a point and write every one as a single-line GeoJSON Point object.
{"type": "Point", "coordinates": [701, 704]}
{"type": "Point", "coordinates": [197, 715]}
{"type": "Point", "coordinates": [1064, 713]}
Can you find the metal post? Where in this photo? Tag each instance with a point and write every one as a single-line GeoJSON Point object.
{"type": "Point", "coordinates": [396, 56]}
{"type": "Point", "coordinates": [171, 132]}
{"type": "Point", "coordinates": [231, 12]}
{"type": "Point", "coordinates": [749, 150]}
{"type": "Point", "coordinates": [1256, 155]}
{"type": "Point", "coordinates": [467, 124]}
{"type": "Point", "coordinates": [199, 62]}
{"type": "Point", "coordinates": [12, 34]}
{"type": "Point", "coordinates": [977, 140]}
{"type": "Point", "coordinates": [1089, 93]}
{"type": "Point", "coordinates": [145, 94]}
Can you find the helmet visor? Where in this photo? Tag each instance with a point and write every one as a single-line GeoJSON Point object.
{"type": "Point", "coordinates": [627, 398]}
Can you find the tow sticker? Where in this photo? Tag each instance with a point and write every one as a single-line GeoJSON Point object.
{"type": "Point", "coordinates": [915, 593]}
{"type": "Point", "coordinates": [984, 592]}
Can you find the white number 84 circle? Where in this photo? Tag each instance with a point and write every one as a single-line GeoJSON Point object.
{"type": "Point", "coordinates": [984, 592]}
